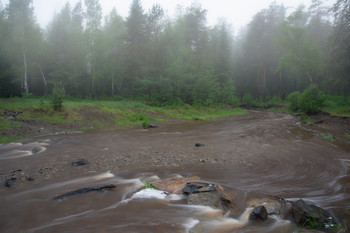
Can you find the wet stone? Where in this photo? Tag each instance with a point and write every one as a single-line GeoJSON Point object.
{"type": "Point", "coordinates": [192, 188]}
{"type": "Point", "coordinates": [199, 145]}
{"type": "Point", "coordinates": [85, 190]}
{"type": "Point", "coordinates": [259, 212]}
{"type": "Point", "coordinates": [80, 162]}
{"type": "Point", "coordinates": [10, 182]}
{"type": "Point", "coordinates": [211, 199]}
{"type": "Point", "coordinates": [312, 216]}
{"type": "Point", "coordinates": [152, 126]}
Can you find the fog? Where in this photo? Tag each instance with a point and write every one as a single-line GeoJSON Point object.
{"type": "Point", "coordinates": [166, 54]}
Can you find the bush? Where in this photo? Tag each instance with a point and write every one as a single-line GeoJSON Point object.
{"type": "Point", "coordinates": [58, 93]}
{"type": "Point", "coordinates": [293, 99]}
{"type": "Point", "coordinates": [311, 100]}
{"type": "Point", "coordinates": [248, 100]}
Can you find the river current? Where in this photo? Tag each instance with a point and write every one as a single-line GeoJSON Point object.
{"type": "Point", "coordinates": [261, 155]}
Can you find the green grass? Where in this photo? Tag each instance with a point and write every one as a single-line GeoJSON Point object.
{"type": "Point", "coordinates": [7, 124]}
{"type": "Point", "coordinates": [337, 106]}
{"type": "Point", "coordinates": [90, 114]}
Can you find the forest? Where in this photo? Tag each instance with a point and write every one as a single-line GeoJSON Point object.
{"type": "Point", "coordinates": [181, 60]}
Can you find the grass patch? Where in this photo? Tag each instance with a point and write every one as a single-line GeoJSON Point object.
{"type": "Point", "coordinates": [4, 139]}
{"type": "Point", "coordinates": [84, 114]}
{"type": "Point", "coordinates": [337, 106]}
{"type": "Point", "coordinates": [7, 124]}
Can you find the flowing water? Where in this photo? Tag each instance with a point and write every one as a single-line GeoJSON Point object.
{"type": "Point", "coordinates": [257, 155]}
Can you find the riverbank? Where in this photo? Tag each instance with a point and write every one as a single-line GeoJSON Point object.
{"type": "Point", "coordinates": [21, 118]}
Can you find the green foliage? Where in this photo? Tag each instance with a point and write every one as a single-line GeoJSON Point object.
{"type": "Point", "coordinates": [248, 100]}
{"type": "Point", "coordinates": [148, 185]}
{"type": "Point", "coordinates": [337, 106]}
{"type": "Point", "coordinates": [58, 93]}
{"type": "Point", "coordinates": [328, 137]}
{"type": "Point", "coordinates": [293, 100]}
{"type": "Point", "coordinates": [311, 100]}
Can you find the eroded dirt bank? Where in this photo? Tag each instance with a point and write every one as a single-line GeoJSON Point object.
{"type": "Point", "coordinates": [262, 153]}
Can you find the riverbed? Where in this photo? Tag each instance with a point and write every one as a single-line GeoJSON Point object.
{"type": "Point", "coordinates": [259, 155]}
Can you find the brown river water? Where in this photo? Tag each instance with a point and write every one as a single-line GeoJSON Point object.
{"type": "Point", "coordinates": [258, 155]}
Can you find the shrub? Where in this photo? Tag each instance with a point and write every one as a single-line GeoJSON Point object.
{"type": "Point", "coordinates": [311, 100]}
{"type": "Point", "coordinates": [57, 96]}
{"type": "Point", "coordinates": [293, 99]}
{"type": "Point", "coordinates": [248, 100]}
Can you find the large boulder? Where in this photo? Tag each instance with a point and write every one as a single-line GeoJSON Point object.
{"type": "Point", "coordinates": [173, 185]}
{"type": "Point", "coordinates": [211, 199]}
{"type": "Point", "coordinates": [198, 193]}
{"type": "Point", "coordinates": [312, 216]}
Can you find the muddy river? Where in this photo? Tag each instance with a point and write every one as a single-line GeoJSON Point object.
{"type": "Point", "coordinates": [262, 154]}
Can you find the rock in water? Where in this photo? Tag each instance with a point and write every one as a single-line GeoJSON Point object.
{"type": "Point", "coordinates": [80, 162]}
{"type": "Point", "coordinates": [199, 145]}
{"type": "Point", "coordinates": [259, 212]}
{"type": "Point", "coordinates": [152, 126]}
{"type": "Point", "coordinates": [312, 216]}
{"type": "Point", "coordinates": [10, 182]}
{"type": "Point", "coordinates": [173, 185]}
{"type": "Point", "coordinates": [191, 188]}
{"type": "Point", "coordinates": [202, 194]}
{"type": "Point", "coordinates": [211, 199]}
{"type": "Point", "coordinates": [85, 190]}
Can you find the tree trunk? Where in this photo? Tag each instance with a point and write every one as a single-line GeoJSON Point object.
{"type": "Point", "coordinates": [257, 84]}
{"type": "Point", "coordinates": [44, 79]}
{"type": "Point", "coordinates": [25, 80]}
{"type": "Point", "coordinates": [281, 87]}
{"type": "Point", "coordinates": [264, 90]}
{"type": "Point", "coordinates": [113, 86]}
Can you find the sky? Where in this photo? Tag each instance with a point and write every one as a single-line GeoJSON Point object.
{"type": "Point", "coordinates": [238, 13]}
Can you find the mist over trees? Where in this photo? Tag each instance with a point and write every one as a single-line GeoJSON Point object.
{"type": "Point", "coordinates": [164, 61]}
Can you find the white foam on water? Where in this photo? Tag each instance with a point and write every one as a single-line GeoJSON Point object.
{"type": "Point", "coordinates": [16, 154]}
{"type": "Point", "coordinates": [222, 223]}
{"type": "Point", "coordinates": [189, 224]}
{"type": "Point", "coordinates": [69, 182]}
{"type": "Point", "coordinates": [149, 193]}
{"type": "Point", "coordinates": [19, 150]}
{"type": "Point", "coordinates": [103, 176]}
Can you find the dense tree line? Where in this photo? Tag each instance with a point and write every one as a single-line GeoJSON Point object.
{"type": "Point", "coordinates": [150, 56]}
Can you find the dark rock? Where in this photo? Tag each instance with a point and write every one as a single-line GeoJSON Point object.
{"type": "Point", "coordinates": [11, 114]}
{"type": "Point", "coordinates": [318, 122]}
{"type": "Point", "coordinates": [312, 216]}
{"type": "Point", "coordinates": [192, 188]}
{"type": "Point", "coordinates": [10, 182]}
{"type": "Point", "coordinates": [199, 145]}
{"type": "Point", "coordinates": [259, 212]}
{"type": "Point", "coordinates": [152, 126]}
{"type": "Point", "coordinates": [297, 114]}
{"type": "Point", "coordinates": [14, 171]}
{"type": "Point", "coordinates": [85, 190]}
{"type": "Point", "coordinates": [29, 178]}
{"type": "Point", "coordinates": [80, 162]}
